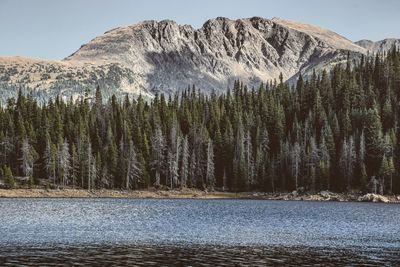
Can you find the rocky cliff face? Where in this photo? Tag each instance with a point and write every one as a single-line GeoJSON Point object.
{"type": "Point", "coordinates": [163, 56]}
{"type": "Point", "coordinates": [379, 46]}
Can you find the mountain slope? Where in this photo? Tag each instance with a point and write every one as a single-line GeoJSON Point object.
{"type": "Point", "coordinates": [333, 39]}
{"type": "Point", "coordinates": [379, 46]}
{"type": "Point", "coordinates": [163, 56]}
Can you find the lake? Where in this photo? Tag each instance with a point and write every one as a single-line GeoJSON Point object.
{"type": "Point", "coordinates": [63, 232]}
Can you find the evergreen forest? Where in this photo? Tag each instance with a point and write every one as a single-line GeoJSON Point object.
{"type": "Point", "coordinates": [336, 130]}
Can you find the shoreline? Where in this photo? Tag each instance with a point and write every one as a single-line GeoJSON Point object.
{"type": "Point", "coordinates": [194, 194]}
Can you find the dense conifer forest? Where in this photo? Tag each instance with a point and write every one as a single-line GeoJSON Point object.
{"type": "Point", "coordinates": [334, 131]}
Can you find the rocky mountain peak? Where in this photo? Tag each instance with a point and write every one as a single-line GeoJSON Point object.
{"type": "Point", "coordinates": [163, 56]}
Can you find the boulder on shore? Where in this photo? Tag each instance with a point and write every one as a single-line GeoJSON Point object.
{"type": "Point", "coordinates": [373, 198]}
{"type": "Point", "coordinates": [330, 196]}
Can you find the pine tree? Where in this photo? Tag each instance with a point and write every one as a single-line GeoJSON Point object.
{"type": "Point", "coordinates": [133, 171]}
{"type": "Point", "coordinates": [28, 158]}
{"type": "Point", "coordinates": [296, 163]}
{"type": "Point", "coordinates": [185, 162]}
{"type": "Point", "coordinates": [210, 175]}
{"type": "Point", "coordinates": [192, 169]}
{"type": "Point", "coordinates": [264, 156]}
{"type": "Point", "coordinates": [373, 142]}
{"type": "Point", "coordinates": [347, 161]}
{"type": "Point", "coordinates": [64, 162]}
{"type": "Point", "coordinates": [249, 171]}
{"type": "Point", "coordinates": [171, 170]}
{"type": "Point", "coordinates": [6, 148]}
{"type": "Point", "coordinates": [361, 162]}
{"type": "Point", "coordinates": [158, 147]}
{"type": "Point", "coordinates": [75, 165]}
{"type": "Point", "coordinates": [313, 162]}
{"type": "Point", "coordinates": [324, 164]}
{"type": "Point", "coordinates": [391, 172]}
{"type": "Point", "coordinates": [98, 98]}
{"type": "Point", "coordinates": [239, 160]}
{"type": "Point", "coordinates": [50, 160]}
{"type": "Point", "coordinates": [384, 172]}
{"type": "Point", "coordinates": [8, 176]}
{"type": "Point", "coordinates": [176, 163]}
{"type": "Point", "coordinates": [91, 167]}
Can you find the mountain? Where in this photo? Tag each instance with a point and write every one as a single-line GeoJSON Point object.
{"type": "Point", "coordinates": [379, 46]}
{"type": "Point", "coordinates": [152, 56]}
{"type": "Point", "coordinates": [46, 79]}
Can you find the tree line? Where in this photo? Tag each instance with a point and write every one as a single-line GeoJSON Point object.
{"type": "Point", "coordinates": [334, 131]}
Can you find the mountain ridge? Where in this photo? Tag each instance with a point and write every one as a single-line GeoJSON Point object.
{"type": "Point", "coordinates": [163, 56]}
{"type": "Point", "coordinates": [378, 46]}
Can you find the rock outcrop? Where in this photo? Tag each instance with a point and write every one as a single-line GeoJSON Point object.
{"type": "Point", "coordinates": [373, 198]}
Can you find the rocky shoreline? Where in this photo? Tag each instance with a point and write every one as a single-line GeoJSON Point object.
{"type": "Point", "coordinates": [195, 194]}
{"type": "Point", "coordinates": [330, 196]}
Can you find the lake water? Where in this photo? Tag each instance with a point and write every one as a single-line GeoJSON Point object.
{"type": "Point", "coordinates": [148, 232]}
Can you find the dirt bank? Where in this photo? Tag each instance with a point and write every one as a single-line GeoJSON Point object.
{"type": "Point", "coordinates": [193, 194]}
{"type": "Point", "coordinates": [80, 193]}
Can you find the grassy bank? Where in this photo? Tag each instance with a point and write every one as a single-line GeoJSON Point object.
{"type": "Point", "coordinates": [151, 193]}
{"type": "Point", "coordinates": [191, 194]}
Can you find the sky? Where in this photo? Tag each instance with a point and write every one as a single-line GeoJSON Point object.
{"type": "Point", "coordinates": [54, 29]}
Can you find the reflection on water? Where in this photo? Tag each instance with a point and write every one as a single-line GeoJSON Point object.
{"type": "Point", "coordinates": [194, 256]}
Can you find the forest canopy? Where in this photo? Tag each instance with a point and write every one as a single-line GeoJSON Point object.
{"type": "Point", "coordinates": [334, 131]}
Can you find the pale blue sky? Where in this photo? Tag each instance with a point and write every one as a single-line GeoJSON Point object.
{"type": "Point", "coordinates": [54, 29]}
